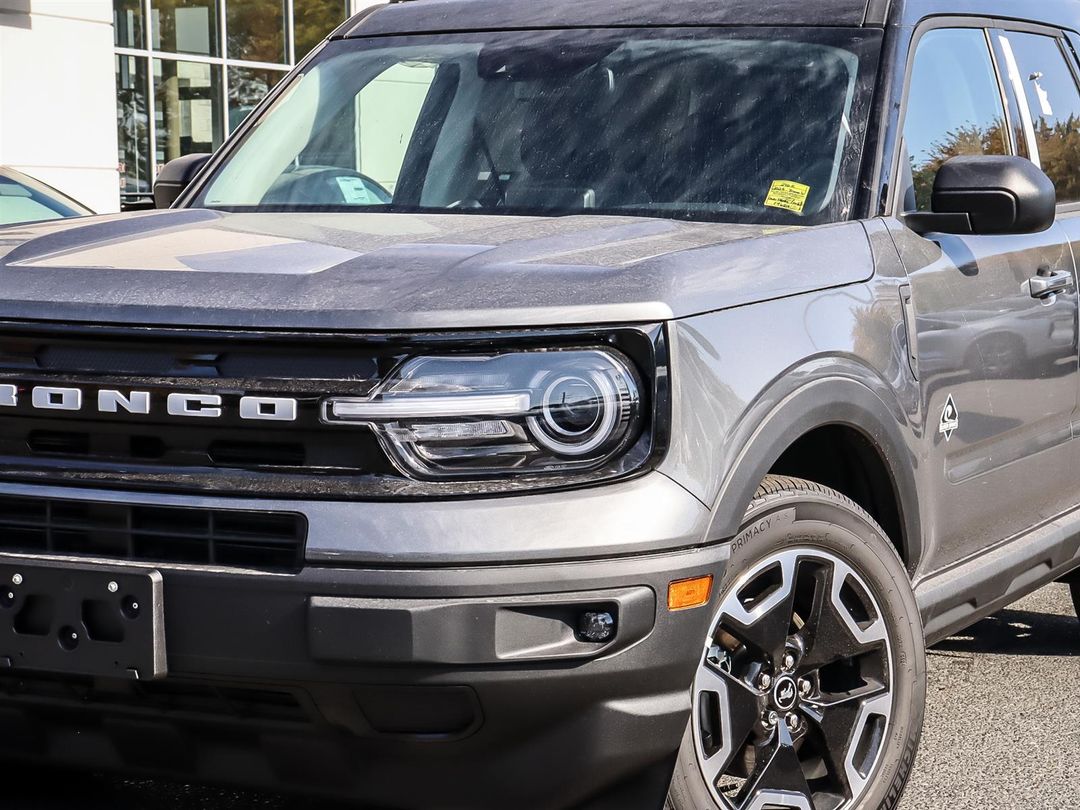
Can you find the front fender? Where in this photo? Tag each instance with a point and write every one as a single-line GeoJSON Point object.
{"type": "Point", "coordinates": [749, 382]}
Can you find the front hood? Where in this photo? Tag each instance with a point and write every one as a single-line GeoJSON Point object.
{"type": "Point", "coordinates": [379, 271]}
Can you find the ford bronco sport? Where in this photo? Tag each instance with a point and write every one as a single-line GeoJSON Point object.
{"type": "Point", "coordinates": [582, 403]}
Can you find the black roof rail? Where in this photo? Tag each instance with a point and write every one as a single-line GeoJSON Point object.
{"type": "Point", "coordinates": [877, 12]}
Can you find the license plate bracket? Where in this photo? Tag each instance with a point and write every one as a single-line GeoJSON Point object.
{"type": "Point", "coordinates": [78, 618]}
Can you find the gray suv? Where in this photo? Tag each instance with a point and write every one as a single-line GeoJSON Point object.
{"type": "Point", "coordinates": [582, 403]}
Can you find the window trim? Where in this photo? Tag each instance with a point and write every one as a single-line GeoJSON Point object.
{"type": "Point", "coordinates": [1013, 103]}
{"type": "Point", "coordinates": [1069, 42]}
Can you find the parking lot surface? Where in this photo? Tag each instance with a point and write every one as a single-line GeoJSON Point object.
{"type": "Point", "coordinates": [1002, 730]}
{"type": "Point", "coordinates": [1003, 720]}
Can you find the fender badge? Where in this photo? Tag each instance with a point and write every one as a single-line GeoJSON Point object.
{"type": "Point", "coordinates": [950, 419]}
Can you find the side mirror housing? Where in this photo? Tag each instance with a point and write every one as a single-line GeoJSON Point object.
{"type": "Point", "coordinates": [175, 176]}
{"type": "Point", "coordinates": [988, 194]}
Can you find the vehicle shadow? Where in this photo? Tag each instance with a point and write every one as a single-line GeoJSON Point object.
{"type": "Point", "coordinates": [33, 787]}
{"type": "Point", "coordinates": [1018, 632]}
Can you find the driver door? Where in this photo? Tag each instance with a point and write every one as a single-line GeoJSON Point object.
{"type": "Point", "coordinates": [997, 361]}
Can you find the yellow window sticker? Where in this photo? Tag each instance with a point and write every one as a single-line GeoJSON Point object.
{"type": "Point", "coordinates": [789, 195]}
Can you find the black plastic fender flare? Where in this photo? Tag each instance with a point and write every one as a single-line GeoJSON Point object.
{"type": "Point", "coordinates": [774, 423]}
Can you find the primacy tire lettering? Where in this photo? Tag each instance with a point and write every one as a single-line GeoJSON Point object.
{"type": "Point", "coordinates": [204, 406]}
{"type": "Point", "coordinates": [783, 518]}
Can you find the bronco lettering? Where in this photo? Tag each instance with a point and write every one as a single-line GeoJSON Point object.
{"type": "Point", "coordinates": [205, 406]}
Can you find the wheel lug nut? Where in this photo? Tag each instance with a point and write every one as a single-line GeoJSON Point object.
{"type": "Point", "coordinates": [793, 722]}
{"type": "Point", "coordinates": [789, 662]}
{"type": "Point", "coordinates": [804, 687]}
{"type": "Point", "coordinates": [764, 682]}
{"type": "Point", "coordinates": [772, 719]}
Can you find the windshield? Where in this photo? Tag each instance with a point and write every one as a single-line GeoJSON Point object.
{"type": "Point", "coordinates": [748, 125]}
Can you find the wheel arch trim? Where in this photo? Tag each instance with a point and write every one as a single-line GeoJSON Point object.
{"type": "Point", "coordinates": [771, 426]}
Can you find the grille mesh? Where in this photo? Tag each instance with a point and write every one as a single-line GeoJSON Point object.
{"type": "Point", "coordinates": [261, 540]}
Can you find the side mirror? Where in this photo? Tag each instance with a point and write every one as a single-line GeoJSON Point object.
{"type": "Point", "coordinates": [175, 176]}
{"type": "Point", "coordinates": [988, 194]}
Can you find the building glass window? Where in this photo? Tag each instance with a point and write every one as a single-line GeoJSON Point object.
{"type": "Point", "coordinates": [128, 23]}
{"type": "Point", "coordinates": [247, 87]}
{"type": "Point", "coordinates": [256, 30]}
{"type": "Point", "coordinates": [188, 74]}
{"type": "Point", "coordinates": [187, 99]}
{"type": "Point", "coordinates": [184, 26]}
{"type": "Point", "coordinates": [132, 124]}
{"type": "Point", "coordinates": [314, 20]}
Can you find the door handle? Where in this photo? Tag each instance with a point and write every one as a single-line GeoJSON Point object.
{"type": "Point", "coordinates": [1047, 283]}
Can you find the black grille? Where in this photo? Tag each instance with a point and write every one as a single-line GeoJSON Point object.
{"type": "Point", "coordinates": [262, 540]}
{"type": "Point", "coordinates": [190, 356]}
{"type": "Point", "coordinates": [226, 453]}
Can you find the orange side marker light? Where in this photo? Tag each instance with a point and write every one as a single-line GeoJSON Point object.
{"type": "Point", "coordinates": [689, 593]}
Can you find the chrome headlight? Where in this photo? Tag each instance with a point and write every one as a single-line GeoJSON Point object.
{"type": "Point", "coordinates": [525, 412]}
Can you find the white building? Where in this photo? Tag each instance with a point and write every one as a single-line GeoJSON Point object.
{"type": "Point", "coordinates": [96, 95]}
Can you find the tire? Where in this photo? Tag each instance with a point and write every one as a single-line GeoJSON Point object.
{"type": "Point", "coordinates": [852, 651]}
{"type": "Point", "coordinates": [1074, 586]}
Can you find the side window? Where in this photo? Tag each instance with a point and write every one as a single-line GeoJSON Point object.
{"type": "Point", "coordinates": [954, 105]}
{"type": "Point", "coordinates": [1037, 63]}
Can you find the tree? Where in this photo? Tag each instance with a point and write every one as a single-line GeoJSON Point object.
{"type": "Point", "coordinates": [970, 139]}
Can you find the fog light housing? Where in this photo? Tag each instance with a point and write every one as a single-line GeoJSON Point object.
{"type": "Point", "coordinates": [596, 626]}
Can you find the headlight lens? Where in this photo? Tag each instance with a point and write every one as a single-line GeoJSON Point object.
{"type": "Point", "coordinates": [522, 412]}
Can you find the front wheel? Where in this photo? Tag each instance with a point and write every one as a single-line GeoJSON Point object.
{"type": "Point", "coordinates": [812, 684]}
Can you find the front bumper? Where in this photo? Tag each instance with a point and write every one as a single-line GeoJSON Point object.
{"type": "Point", "coordinates": [400, 686]}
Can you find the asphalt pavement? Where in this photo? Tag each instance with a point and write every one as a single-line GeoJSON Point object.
{"type": "Point", "coordinates": [1002, 731]}
{"type": "Point", "coordinates": [1002, 727]}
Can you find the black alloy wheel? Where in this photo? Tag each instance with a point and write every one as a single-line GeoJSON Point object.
{"type": "Point", "coordinates": [810, 690]}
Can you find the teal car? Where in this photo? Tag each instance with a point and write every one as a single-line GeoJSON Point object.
{"type": "Point", "coordinates": [24, 199]}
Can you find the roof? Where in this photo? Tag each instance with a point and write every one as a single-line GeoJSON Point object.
{"type": "Point", "coordinates": [429, 16]}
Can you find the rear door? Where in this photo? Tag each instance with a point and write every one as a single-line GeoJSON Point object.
{"type": "Point", "coordinates": [1043, 64]}
{"type": "Point", "coordinates": [997, 366]}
